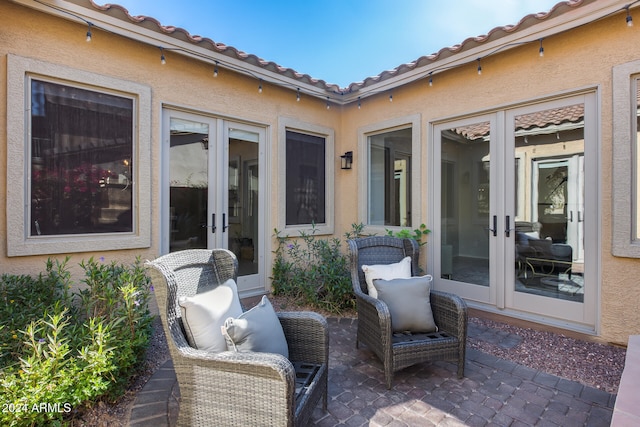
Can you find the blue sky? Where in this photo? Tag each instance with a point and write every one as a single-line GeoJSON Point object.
{"type": "Point", "coordinates": [339, 41]}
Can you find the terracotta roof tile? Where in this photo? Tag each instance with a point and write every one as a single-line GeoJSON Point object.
{"type": "Point", "coordinates": [539, 119]}
{"type": "Point", "coordinates": [118, 11]}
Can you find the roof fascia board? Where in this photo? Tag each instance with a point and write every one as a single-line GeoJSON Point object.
{"type": "Point", "coordinates": [547, 28]}
{"type": "Point", "coordinates": [565, 21]}
{"type": "Point", "coordinates": [131, 30]}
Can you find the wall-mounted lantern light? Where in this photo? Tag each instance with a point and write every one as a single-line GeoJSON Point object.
{"type": "Point", "coordinates": [346, 160]}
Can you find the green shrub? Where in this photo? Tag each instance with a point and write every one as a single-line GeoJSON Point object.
{"type": "Point", "coordinates": [417, 234]}
{"type": "Point", "coordinates": [67, 351]}
{"type": "Point", "coordinates": [313, 270]}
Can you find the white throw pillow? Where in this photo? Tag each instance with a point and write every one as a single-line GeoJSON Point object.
{"type": "Point", "coordinates": [204, 313]}
{"type": "Point", "coordinates": [399, 270]}
{"type": "Point", "coordinates": [409, 303]}
{"type": "Point", "coordinates": [258, 330]}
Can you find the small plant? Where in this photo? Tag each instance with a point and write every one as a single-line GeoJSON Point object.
{"type": "Point", "coordinates": [65, 351]}
{"type": "Point", "coordinates": [313, 270]}
{"type": "Point", "coordinates": [417, 234]}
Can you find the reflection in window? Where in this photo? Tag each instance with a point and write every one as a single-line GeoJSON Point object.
{"type": "Point", "coordinates": [390, 178]}
{"type": "Point", "coordinates": [464, 190]}
{"type": "Point", "coordinates": [550, 223]}
{"type": "Point", "coordinates": [81, 161]}
{"type": "Point", "coordinates": [189, 184]}
{"type": "Point", "coordinates": [305, 179]}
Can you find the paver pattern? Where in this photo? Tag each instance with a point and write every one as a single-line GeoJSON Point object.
{"type": "Point", "coordinates": [494, 392]}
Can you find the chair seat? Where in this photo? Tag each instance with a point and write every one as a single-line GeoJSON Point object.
{"type": "Point", "coordinates": [431, 337]}
{"type": "Point", "coordinates": [305, 376]}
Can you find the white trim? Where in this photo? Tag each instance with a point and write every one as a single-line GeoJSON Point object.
{"type": "Point", "coordinates": [19, 243]}
{"type": "Point", "coordinates": [625, 168]}
{"type": "Point", "coordinates": [285, 124]}
{"type": "Point", "coordinates": [414, 123]}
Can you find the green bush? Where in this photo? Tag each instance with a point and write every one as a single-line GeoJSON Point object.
{"type": "Point", "coordinates": [417, 234]}
{"type": "Point", "coordinates": [313, 270]}
{"type": "Point", "coordinates": [65, 351]}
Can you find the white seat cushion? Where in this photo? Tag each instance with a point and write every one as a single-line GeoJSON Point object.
{"type": "Point", "coordinates": [204, 313]}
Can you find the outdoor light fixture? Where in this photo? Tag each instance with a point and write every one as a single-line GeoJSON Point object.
{"type": "Point", "coordinates": [346, 160]}
{"type": "Point", "coordinates": [541, 50]}
{"type": "Point", "coordinates": [162, 58]}
{"type": "Point", "coordinates": [629, 18]}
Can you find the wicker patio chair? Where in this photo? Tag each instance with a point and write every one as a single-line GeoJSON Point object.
{"type": "Point", "coordinates": [398, 351]}
{"type": "Point", "coordinates": [238, 388]}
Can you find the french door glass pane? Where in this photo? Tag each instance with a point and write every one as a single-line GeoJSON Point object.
{"type": "Point", "coordinates": [465, 204]}
{"type": "Point", "coordinates": [243, 200]}
{"type": "Point", "coordinates": [549, 203]}
{"type": "Point", "coordinates": [188, 184]}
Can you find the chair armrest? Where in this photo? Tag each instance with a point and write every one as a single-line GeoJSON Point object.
{"type": "Point", "coordinates": [307, 336]}
{"type": "Point", "coordinates": [374, 319]}
{"type": "Point", "coordinates": [262, 384]}
{"type": "Point", "coordinates": [449, 313]}
{"type": "Point", "coordinates": [266, 365]}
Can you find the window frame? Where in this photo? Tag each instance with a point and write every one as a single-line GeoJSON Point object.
{"type": "Point", "coordinates": [406, 122]}
{"type": "Point", "coordinates": [288, 124]}
{"type": "Point", "coordinates": [625, 169]}
{"type": "Point", "coordinates": [20, 71]}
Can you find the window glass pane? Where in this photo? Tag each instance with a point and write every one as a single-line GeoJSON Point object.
{"type": "Point", "coordinates": [549, 244]}
{"type": "Point", "coordinates": [464, 191]}
{"type": "Point", "coordinates": [390, 178]}
{"type": "Point", "coordinates": [305, 179]}
{"type": "Point", "coordinates": [81, 161]}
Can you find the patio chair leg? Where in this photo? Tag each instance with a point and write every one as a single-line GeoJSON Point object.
{"type": "Point", "coordinates": [325, 397]}
{"type": "Point", "coordinates": [461, 368]}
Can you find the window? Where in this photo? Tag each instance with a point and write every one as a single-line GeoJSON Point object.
{"type": "Point", "coordinates": [306, 169]}
{"type": "Point", "coordinates": [626, 160]}
{"type": "Point", "coordinates": [391, 177]}
{"type": "Point", "coordinates": [81, 161]}
{"type": "Point", "coordinates": [78, 159]}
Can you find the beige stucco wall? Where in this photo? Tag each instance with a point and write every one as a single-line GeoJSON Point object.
{"type": "Point", "coordinates": [582, 58]}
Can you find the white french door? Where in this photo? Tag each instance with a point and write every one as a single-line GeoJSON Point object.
{"type": "Point", "coordinates": [515, 227]}
{"type": "Point", "coordinates": [213, 190]}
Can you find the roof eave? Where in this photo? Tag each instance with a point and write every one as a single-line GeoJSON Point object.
{"type": "Point", "coordinates": [562, 17]}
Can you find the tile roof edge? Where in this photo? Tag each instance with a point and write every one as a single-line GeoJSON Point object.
{"type": "Point", "coordinates": [150, 23]}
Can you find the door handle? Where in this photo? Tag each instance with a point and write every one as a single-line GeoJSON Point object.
{"type": "Point", "coordinates": [494, 230]}
{"type": "Point", "coordinates": [580, 217]}
{"type": "Point", "coordinates": [213, 224]}
{"type": "Point", "coordinates": [507, 229]}
{"type": "Point", "coordinates": [224, 222]}
{"type": "Point", "coordinates": [571, 216]}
